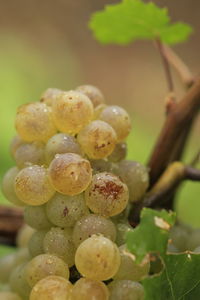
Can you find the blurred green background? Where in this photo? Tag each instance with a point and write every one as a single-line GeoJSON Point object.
{"type": "Point", "coordinates": [47, 44]}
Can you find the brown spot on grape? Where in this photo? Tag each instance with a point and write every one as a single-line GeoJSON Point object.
{"type": "Point", "coordinates": [65, 211]}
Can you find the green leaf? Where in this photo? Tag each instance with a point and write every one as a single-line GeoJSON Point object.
{"type": "Point", "coordinates": [151, 235]}
{"type": "Point", "coordinates": [179, 280]}
{"type": "Point", "coordinates": [132, 20]}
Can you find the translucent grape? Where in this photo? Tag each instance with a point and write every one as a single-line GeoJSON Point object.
{"type": "Point", "coordinates": [97, 139]}
{"type": "Point", "coordinates": [15, 143]}
{"type": "Point", "coordinates": [52, 288]}
{"type": "Point", "coordinates": [58, 241]}
{"type": "Point", "coordinates": [93, 93]}
{"type": "Point", "coordinates": [72, 111]}
{"type": "Point", "coordinates": [8, 186]}
{"type": "Point", "coordinates": [126, 290]}
{"type": "Point", "coordinates": [97, 258]}
{"type": "Point", "coordinates": [119, 153]}
{"type": "Point", "coordinates": [129, 269]}
{"type": "Point", "coordinates": [36, 217]}
{"type": "Point", "coordinates": [34, 122]}
{"type": "Point", "coordinates": [9, 296]}
{"type": "Point", "coordinates": [70, 174]}
{"type": "Point", "coordinates": [45, 265]}
{"type": "Point", "coordinates": [89, 289]}
{"type": "Point", "coordinates": [35, 244]}
{"type": "Point", "coordinates": [119, 119]}
{"type": "Point", "coordinates": [136, 176]}
{"type": "Point", "coordinates": [107, 195]}
{"type": "Point", "coordinates": [122, 229]}
{"type": "Point", "coordinates": [29, 154]}
{"type": "Point", "coordinates": [49, 96]}
{"type": "Point", "coordinates": [93, 224]}
{"type": "Point", "coordinates": [101, 165]}
{"type": "Point", "coordinates": [19, 283]}
{"type": "Point", "coordinates": [194, 239]}
{"type": "Point", "coordinates": [98, 110]}
{"type": "Point", "coordinates": [32, 185]}
{"type": "Point", "coordinates": [179, 237]}
{"type": "Point", "coordinates": [64, 210]}
{"type": "Point", "coordinates": [61, 143]}
{"type": "Point", "coordinates": [24, 235]}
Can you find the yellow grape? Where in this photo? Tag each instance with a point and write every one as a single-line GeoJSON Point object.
{"type": "Point", "coordinates": [49, 96]}
{"type": "Point", "coordinates": [93, 93]}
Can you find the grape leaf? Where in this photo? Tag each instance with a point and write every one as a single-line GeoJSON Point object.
{"type": "Point", "coordinates": [151, 235]}
{"type": "Point", "coordinates": [132, 20]}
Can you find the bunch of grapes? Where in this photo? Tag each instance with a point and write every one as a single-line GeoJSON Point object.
{"type": "Point", "coordinates": [76, 187]}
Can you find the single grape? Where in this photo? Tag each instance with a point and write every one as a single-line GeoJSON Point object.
{"type": "Point", "coordinates": [129, 269]}
{"type": "Point", "coordinates": [32, 185]}
{"type": "Point", "coordinates": [29, 154]}
{"type": "Point", "coordinates": [36, 217]}
{"type": "Point", "coordinates": [15, 143]}
{"type": "Point", "coordinates": [179, 237]}
{"type": "Point", "coordinates": [34, 122]}
{"type": "Point", "coordinates": [35, 244]}
{"type": "Point", "coordinates": [19, 283]}
{"type": "Point", "coordinates": [8, 186]}
{"type": "Point", "coordinates": [59, 144]}
{"type": "Point", "coordinates": [119, 119]}
{"type": "Point", "coordinates": [126, 290]}
{"type": "Point", "coordinates": [136, 176]}
{"type": "Point", "coordinates": [9, 296]}
{"type": "Point", "coordinates": [122, 229]}
{"type": "Point", "coordinates": [119, 153]}
{"type": "Point", "coordinates": [107, 195]}
{"type": "Point", "coordinates": [101, 165]}
{"type": "Point", "coordinates": [49, 96]}
{"type": "Point", "coordinates": [97, 258]}
{"type": "Point", "coordinates": [52, 288]}
{"type": "Point", "coordinates": [72, 110]}
{"type": "Point", "coordinates": [98, 110]}
{"type": "Point", "coordinates": [64, 211]}
{"type": "Point", "coordinates": [24, 235]}
{"type": "Point", "coordinates": [193, 239]}
{"type": "Point", "coordinates": [89, 289]}
{"type": "Point", "coordinates": [93, 93]}
{"type": "Point", "coordinates": [45, 265]}
{"type": "Point", "coordinates": [97, 139]}
{"type": "Point", "coordinates": [93, 224]}
{"type": "Point", "coordinates": [58, 241]}
{"type": "Point", "coordinates": [70, 174]}
{"type": "Point", "coordinates": [22, 255]}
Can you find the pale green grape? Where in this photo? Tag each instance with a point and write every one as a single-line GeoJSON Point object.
{"type": "Point", "coordinates": [58, 241]}
{"type": "Point", "coordinates": [98, 110]}
{"type": "Point", "coordinates": [89, 289]}
{"type": "Point", "coordinates": [8, 186]}
{"type": "Point", "coordinates": [32, 185]}
{"type": "Point", "coordinates": [52, 288]}
{"type": "Point", "coordinates": [45, 265]}
{"type": "Point", "coordinates": [97, 139]}
{"type": "Point", "coordinates": [129, 269]}
{"type": "Point", "coordinates": [35, 244]}
{"type": "Point", "coordinates": [21, 256]}
{"type": "Point", "coordinates": [101, 165]}
{"type": "Point", "coordinates": [107, 195]}
{"type": "Point", "coordinates": [126, 290]}
{"type": "Point", "coordinates": [36, 217]}
{"type": "Point", "coordinates": [135, 176]}
{"type": "Point", "coordinates": [97, 258]}
{"type": "Point", "coordinates": [9, 296]}
{"type": "Point", "coordinates": [19, 283]}
{"type": "Point", "coordinates": [122, 229]}
{"type": "Point", "coordinates": [15, 143]}
{"type": "Point", "coordinates": [70, 174]}
{"type": "Point", "coordinates": [179, 237]}
{"type": "Point", "coordinates": [49, 96]}
{"type": "Point", "coordinates": [119, 153]}
{"type": "Point", "coordinates": [61, 143]}
{"type": "Point", "coordinates": [24, 235]}
{"type": "Point", "coordinates": [64, 211]}
{"type": "Point", "coordinates": [29, 154]}
{"type": "Point", "coordinates": [93, 224]}
{"type": "Point", "coordinates": [93, 93]}
{"type": "Point", "coordinates": [72, 110]}
{"type": "Point", "coordinates": [34, 122]}
{"type": "Point", "coordinates": [119, 119]}
{"type": "Point", "coordinates": [193, 239]}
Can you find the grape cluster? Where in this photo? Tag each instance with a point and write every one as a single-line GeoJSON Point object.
{"type": "Point", "coordinates": [75, 185]}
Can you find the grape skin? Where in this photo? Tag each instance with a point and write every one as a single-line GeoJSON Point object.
{"type": "Point", "coordinates": [89, 289]}
{"type": "Point", "coordinates": [35, 244]}
{"type": "Point", "coordinates": [97, 139]}
{"type": "Point", "coordinates": [45, 265]}
{"type": "Point", "coordinates": [49, 96]}
{"type": "Point", "coordinates": [9, 296]}
{"type": "Point", "coordinates": [93, 93]}
{"type": "Point", "coordinates": [36, 217]}
{"type": "Point", "coordinates": [32, 185]}
{"type": "Point", "coordinates": [119, 153]}
{"type": "Point", "coordinates": [64, 210]}
{"type": "Point", "coordinates": [126, 290]}
{"type": "Point", "coordinates": [107, 195]}
{"type": "Point", "coordinates": [72, 110]}
{"type": "Point", "coordinates": [122, 229]}
{"type": "Point", "coordinates": [23, 236]}
{"type": "Point", "coordinates": [70, 174]}
{"type": "Point", "coordinates": [52, 288]}
{"type": "Point", "coordinates": [34, 122]}
{"type": "Point", "coordinates": [18, 282]}
{"type": "Point", "coordinates": [15, 143]}
{"type": "Point", "coordinates": [97, 258]}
